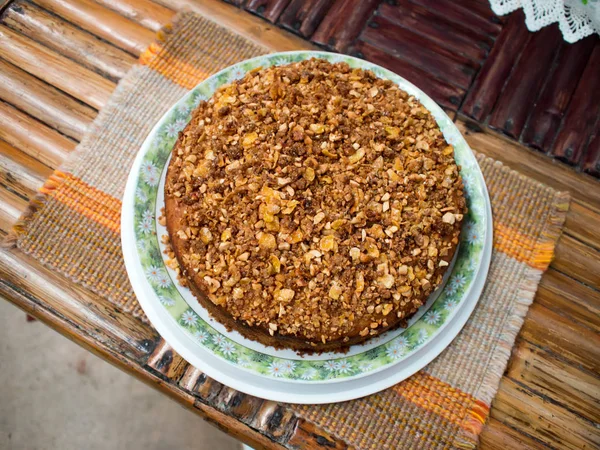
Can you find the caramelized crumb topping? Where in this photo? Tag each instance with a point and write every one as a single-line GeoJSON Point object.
{"type": "Point", "coordinates": [318, 201]}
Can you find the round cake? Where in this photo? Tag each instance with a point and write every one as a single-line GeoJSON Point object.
{"type": "Point", "coordinates": [312, 205]}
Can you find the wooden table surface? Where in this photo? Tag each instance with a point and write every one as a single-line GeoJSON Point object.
{"type": "Point", "coordinates": [59, 62]}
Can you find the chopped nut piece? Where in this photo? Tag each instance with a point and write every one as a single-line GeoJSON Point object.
{"type": "Point", "coordinates": [387, 281]}
{"type": "Point", "coordinates": [285, 295]}
{"type": "Point", "coordinates": [335, 291]}
{"type": "Point", "coordinates": [449, 218]}
{"type": "Point", "coordinates": [355, 253]}
{"type": "Point", "coordinates": [309, 174]}
{"type": "Point", "coordinates": [275, 264]}
{"type": "Point", "coordinates": [443, 263]}
{"type": "Point", "coordinates": [267, 241]}
{"type": "Point", "coordinates": [356, 157]}
{"type": "Point", "coordinates": [328, 243]}
{"type": "Point", "coordinates": [318, 217]}
{"type": "Point", "coordinates": [249, 140]}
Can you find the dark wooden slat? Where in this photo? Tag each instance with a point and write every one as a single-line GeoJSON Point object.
{"type": "Point", "coordinates": [570, 298]}
{"type": "Point", "coordinates": [546, 116]}
{"type": "Point", "coordinates": [344, 22]}
{"type": "Point", "coordinates": [443, 93]}
{"type": "Point", "coordinates": [20, 172]}
{"type": "Point", "coordinates": [455, 37]}
{"type": "Point", "coordinates": [11, 207]}
{"type": "Point", "coordinates": [304, 16]}
{"type": "Point", "coordinates": [489, 81]}
{"type": "Point", "coordinates": [144, 12]}
{"type": "Point", "coordinates": [423, 53]}
{"type": "Point", "coordinates": [269, 9]}
{"type": "Point", "coordinates": [70, 41]}
{"type": "Point", "coordinates": [455, 11]}
{"type": "Point", "coordinates": [583, 188]}
{"type": "Point", "coordinates": [578, 260]}
{"type": "Point", "coordinates": [582, 115]}
{"type": "Point", "coordinates": [32, 137]}
{"type": "Point", "coordinates": [498, 436]}
{"type": "Point", "coordinates": [54, 69]}
{"type": "Point", "coordinates": [525, 82]}
{"type": "Point", "coordinates": [561, 336]}
{"type": "Point", "coordinates": [572, 388]}
{"type": "Point", "coordinates": [482, 8]}
{"type": "Point", "coordinates": [44, 102]}
{"type": "Point", "coordinates": [529, 412]}
{"type": "Point", "coordinates": [591, 163]}
{"type": "Point", "coordinates": [102, 22]}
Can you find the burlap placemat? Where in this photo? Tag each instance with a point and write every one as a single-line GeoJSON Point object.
{"type": "Point", "coordinates": [73, 227]}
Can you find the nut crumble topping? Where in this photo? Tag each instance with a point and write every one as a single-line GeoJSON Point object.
{"type": "Point", "coordinates": [317, 201]}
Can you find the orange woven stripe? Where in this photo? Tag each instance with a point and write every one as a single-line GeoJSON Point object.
{"type": "Point", "coordinates": [176, 70]}
{"type": "Point", "coordinates": [521, 247]}
{"type": "Point", "coordinates": [86, 200]}
{"type": "Point", "coordinates": [436, 396]}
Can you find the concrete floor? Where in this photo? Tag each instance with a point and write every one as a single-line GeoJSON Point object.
{"type": "Point", "coordinates": [56, 395]}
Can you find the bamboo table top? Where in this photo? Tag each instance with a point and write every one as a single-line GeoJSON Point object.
{"type": "Point", "coordinates": [61, 59]}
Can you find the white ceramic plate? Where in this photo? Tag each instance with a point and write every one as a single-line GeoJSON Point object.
{"type": "Point", "coordinates": [186, 325]}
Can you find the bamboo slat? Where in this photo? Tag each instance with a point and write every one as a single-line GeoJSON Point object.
{"type": "Point", "coordinates": [557, 380]}
{"type": "Point", "coordinates": [440, 62]}
{"type": "Point", "coordinates": [554, 425]}
{"type": "Point", "coordinates": [578, 260]}
{"type": "Point", "coordinates": [54, 69]}
{"type": "Point", "coordinates": [94, 315]}
{"type": "Point", "coordinates": [557, 334]}
{"type": "Point", "coordinates": [455, 37]}
{"type": "Point", "coordinates": [303, 16]}
{"type": "Point", "coordinates": [166, 361]}
{"type": "Point", "coordinates": [578, 224]}
{"type": "Point", "coordinates": [521, 89]}
{"type": "Point", "coordinates": [20, 172]}
{"type": "Point", "coordinates": [498, 436]}
{"type": "Point", "coordinates": [591, 163]}
{"type": "Point", "coordinates": [32, 137]}
{"type": "Point", "coordinates": [68, 40]}
{"type": "Point", "coordinates": [343, 23]}
{"type": "Point", "coordinates": [547, 115]}
{"type": "Point", "coordinates": [459, 13]}
{"type": "Point", "coordinates": [44, 102]}
{"type": "Point", "coordinates": [11, 207]}
{"type": "Point", "coordinates": [570, 298]}
{"type": "Point", "coordinates": [584, 189]}
{"type": "Point", "coordinates": [144, 12]}
{"type": "Point", "coordinates": [449, 96]}
{"type": "Point", "coordinates": [482, 8]}
{"type": "Point", "coordinates": [269, 9]}
{"type": "Point", "coordinates": [308, 435]}
{"type": "Point", "coordinates": [488, 84]}
{"type": "Point", "coordinates": [582, 115]}
{"type": "Point", "coordinates": [102, 22]}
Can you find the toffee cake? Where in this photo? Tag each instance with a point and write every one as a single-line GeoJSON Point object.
{"type": "Point", "coordinates": [312, 205]}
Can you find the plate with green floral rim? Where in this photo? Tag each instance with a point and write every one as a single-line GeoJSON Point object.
{"type": "Point", "coordinates": [176, 306]}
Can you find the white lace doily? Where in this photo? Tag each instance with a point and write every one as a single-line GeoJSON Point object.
{"type": "Point", "coordinates": [576, 18]}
